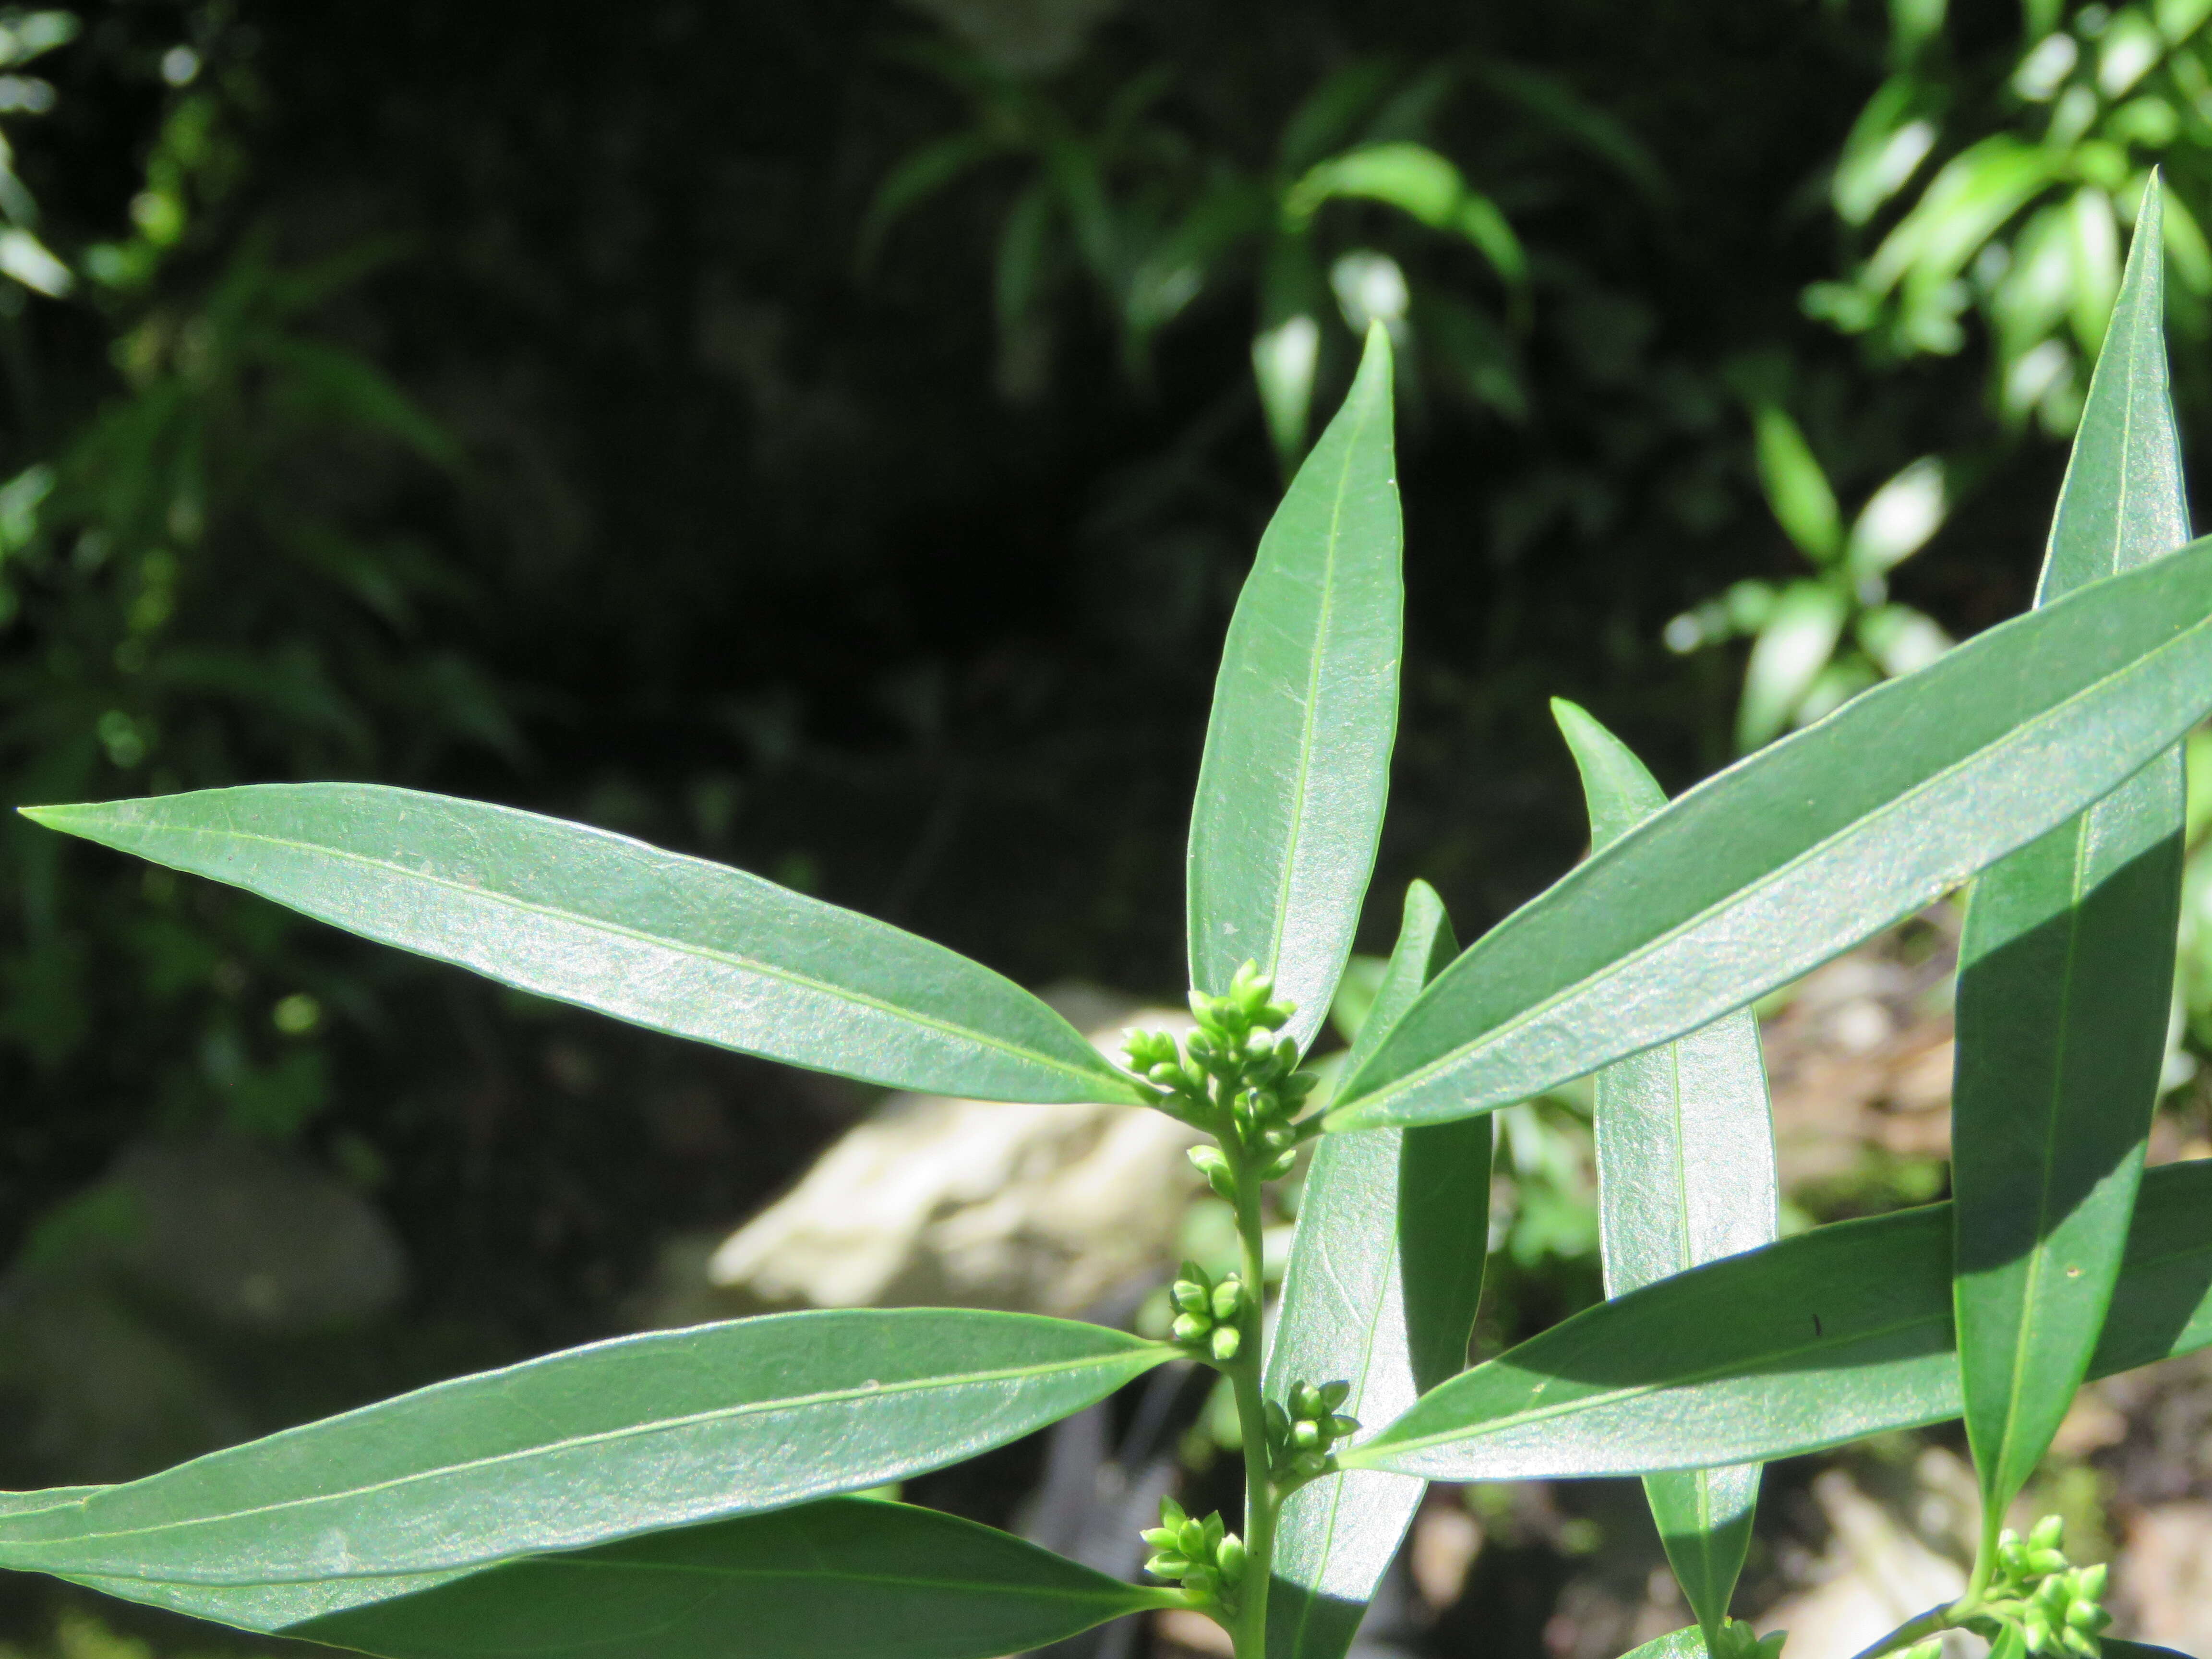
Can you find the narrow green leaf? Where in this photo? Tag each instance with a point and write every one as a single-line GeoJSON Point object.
{"type": "Point", "coordinates": [1787, 659]}
{"type": "Point", "coordinates": [1819, 1339]}
{"type": "Point", "coordinates": [623, 1436]}
{"type": "Point", "coordinates": [1297, 753]}
{"type": "Point", "coordinates": [1688, 1643]}
{"type": "Point", "coordinates": [844, 1579]}
{"type": "Point", "coordinates": [2066, 968]}
{"type": "Point", "coordinates": [1796, 489]}
{"type": "Point", "coordinates": [2110, 1647]}
{"type": "Point", "coordinates": [1685, 1175]}
{"type": "Point", "coordinates": [1385, 1272]}
{"type": "Point", "coordinates": [1763, 872]}
{"type": "Point", "coordinates": [581, 915]}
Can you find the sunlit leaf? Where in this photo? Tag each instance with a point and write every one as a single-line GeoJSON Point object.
{"type": "Point", "coordinates": [1297, 753]}
{"type": "Point", "coordinates": [675, 944]}
{"type": "Point", "coordinates": [1761, 873]}
{"type": "Point", "coordinates": [623, 1436]}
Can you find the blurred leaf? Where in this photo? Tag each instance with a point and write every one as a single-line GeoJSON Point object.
{"type": "Point", "coordinates": [1593, 128]}
{"type": "Point", "coordinates": [1763, 872]}
{"type": "Point", "coordinates": [1796, 489]}
{"type": "Point", "coordinates": [1819, 1340]}
{"type": "Point", "coordinates": [1385, 1272]}
{"type": "Point", "coordinates": [1896, 520]}
{"type": "Point", "coordinates": [625, 1437]}
{"type": "Point", "coordinates": [1685, 1174]}
{"type": "Point", "coordinates": [2066, 969]}
{"type": "Point", "coordinates": [1885, 147]}
{"type": "Point", "coordinates": [1325, 119]}
{"type": "Point", "coordinates": [1966, 204]}
{"type": "Point", "coordinates": [582, 915]}
{"type": "Point", "coordinates": [918, 176]}
{"type": "Point", "coordinates": [1298, 751]}
{"type": "Point", "coordinates": [1418, 182]}
{"type": "Point", "coordinates": [1786, 659]}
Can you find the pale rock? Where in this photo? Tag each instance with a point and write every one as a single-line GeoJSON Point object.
{"type": "Point", "coordinates": [968, 1203]}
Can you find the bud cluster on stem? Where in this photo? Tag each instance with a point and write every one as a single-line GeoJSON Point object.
{"type": "Point", "coordinates": [1202, 1556]}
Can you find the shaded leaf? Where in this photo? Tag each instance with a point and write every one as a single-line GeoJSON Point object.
{"type": "Point", "coordinates": [1385, 1272]}
{"type": "Point", "coordinates": [583, 915]}
{"type": "Point", "coordinates": [844, 1579]}
{"type": "Point", "coordinates": [2066, 968]}
{"type": "Point", "coordinates": [1685, 1174]}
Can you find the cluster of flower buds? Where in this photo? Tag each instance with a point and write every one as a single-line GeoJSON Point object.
{"type": "Point", "coordinates": [1206, 1313]}
{"type": "Point", "coordinates": [1737, 1640]}
{"type": "Point", "coordinates": [1232, 1078]}
{"type": "Point", "coordinates": [2056, 1606]}
{"type": "Point", "coordinates": [1207, 1561]}
{"type": "Point", "coordinates": [1300, 1439]}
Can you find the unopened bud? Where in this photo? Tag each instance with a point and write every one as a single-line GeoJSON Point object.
{"type": "Point", "coordinates": [1189, 1327]}
{"type": "Point", "coordinates": [1228, 1556]}
{"type": "Point", "coordinates": [2089, 1583]}
{"type": "Point", "coordinates": [1189, 1296]}
{"type": "Point", "coordinates": [2046, 1560]}
{"type": "Point", "coordinates": [1340, 1425]}
{"type": "Point", "coordinates": [1305, 1435]}
{"type": "Point", "coordinates": [1226, 1341]}
{"type": "Point", "coordinates": [1164, 1565]}
{"type": "Point", "coordinates": [2047, 1533]}
{"type": "Point", "coordinates": [1192, 1540]}
{"type": "Point", "coordinates": [1202, 1582]}
{"type": "Point", "coordinates": [1228, 1298]}
{"type": "Point", "coordinates": [1332, 1395]}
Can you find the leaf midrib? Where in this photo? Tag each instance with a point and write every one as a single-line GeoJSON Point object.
{"type": "Point", "coordinates": [548, 1449]}
{"type": "Point", "coordinates": [727, 958]}
{"type": "Point", "coordinates": [1311, 714]}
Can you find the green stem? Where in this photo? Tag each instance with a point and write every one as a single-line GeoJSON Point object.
{"type": "Point", "coordinates": [1930, 1623]}
{"type": "Point", "coordinates": [1260, 1498]}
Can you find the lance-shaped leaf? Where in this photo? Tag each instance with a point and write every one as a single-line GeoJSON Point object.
{"type": "Point", "coordinates": [2066, 968]}
{"type": "Point", "coordinates": [1385, 1272]}
{"type": "Point", "coordinates": [1684, 1175]}
{"type": "Point", "coordinates": [623, 1436]}
{"type": "Point", "coordinates": [2110, 1647]}
{"type": "Point", "coordinates": [1819, 1340]}
{"type": "Point", "coordinates": [844, 1579]}
{"type": "Point", "coordinates": [1298, 751]}
{"type": "Point", "coordinates": [1768, 869]}
{"type": "Point", "coordinates": [672, 943]}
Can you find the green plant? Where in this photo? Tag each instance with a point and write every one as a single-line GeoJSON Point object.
{"type": "Point", "coordinates": [694, 1490]}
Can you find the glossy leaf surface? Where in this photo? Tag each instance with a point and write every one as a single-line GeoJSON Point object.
{"type": "Point", "coordinates": [623, 1436]}
{"type": "Point", "coordinates": [1385, 1272]}
{"type": "Point", "coordinates": [585, 916]}
{"type": "Point", "coordinates": [843, 1578]}
{"type": "Point", "coordinates": [2066, 968]}
{"type": "Point", "coordinates": [1298, 751]}
{"type": "Point", "coordinates": [1767, 870]}
{"type": "Point", "coordinates": [1835, 1333]}
{"type": "Point", "coordinates": [1685, 1174]}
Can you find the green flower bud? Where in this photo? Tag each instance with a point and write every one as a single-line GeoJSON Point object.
{"type": "Point", "coordinates": [1189, 1296]}
{"type": "Point", "coordinates": [2086, 1616]}
{"type": "Point", "coordinates": [1334, 1395]}
{"type": "Point", "coordinates": [1171, 1513]}
{"type": "Point", "coordinates": [1305, 1400]}
{"type": "Point", "coordinates": [1226, 1341]}
{"type": "Point", "coordinates": [2089, 1583]}
{"type": "Point", "coordinates": [1229, 1558]}
{"type": "Point", "coordinates": [1166, 1566]}
{"type": "Point", "coordinates": [1305, 1435]}
{"type": "Point", "coordinates": [2046, 1560]}
{"type": "Point", "coordinates": [1280, 1166]}
{"type": "Point", "coordinates": [1340, 1425]}
{"type": "Point", "coordinates": [1203, 1582]}
{"type": "Point", "coordinates": [2052, 1592]}
{"type": "Point", "coordinates": [2048, 1533]}
{"type": "Point", "coordinates": [1306, 1465]}
{"type": "Point", "coordinates": [1189, 1327]}
{"type": "Point", "coordinates": [1228, 1298]}
{"type": "Point", "coordinates": [2037, 1629]}
{"type": "Point", "coordinates": [2079, 1642]}
{"type": "Point", "coordinates": [1191, 1540]}
{"type": "Point", "coordinates": [1159, 1538]}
